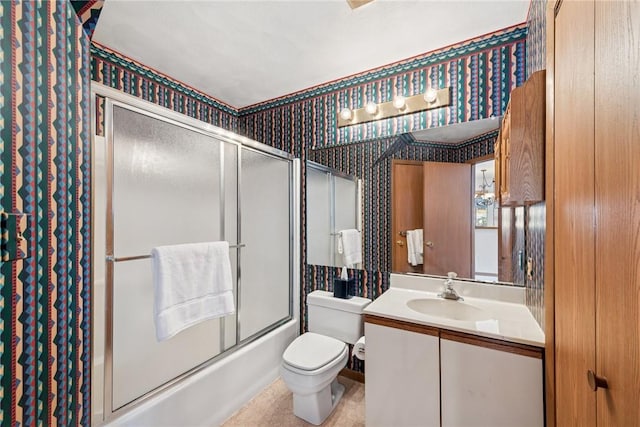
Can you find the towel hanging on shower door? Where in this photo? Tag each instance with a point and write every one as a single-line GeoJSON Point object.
{"type": "Point", "coordinates": [192, 283]}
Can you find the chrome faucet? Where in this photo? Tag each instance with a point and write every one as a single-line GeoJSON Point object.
{"type": "Point", "coordinates": [449, 292]}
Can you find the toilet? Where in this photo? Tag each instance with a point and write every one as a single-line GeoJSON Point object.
{"type": "Point", "coordinates": [311, 363]}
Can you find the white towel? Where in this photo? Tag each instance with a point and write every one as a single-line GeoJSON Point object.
{"type": "Point", "coordinates": [415, 248]}
{"type": "Point", "coordinates": [418, 244]}
{"type": "Point", "coordinates": [350, 246]}
{"type": "Point", "coordinates": [192, 283]}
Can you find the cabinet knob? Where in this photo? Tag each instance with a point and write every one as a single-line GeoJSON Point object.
{"type": "Point", "coordinates": [400, 243]}
{"type": "Point", "coordinates": [429, 244]}
{"type": "Point", "coordinates": [596, 381]}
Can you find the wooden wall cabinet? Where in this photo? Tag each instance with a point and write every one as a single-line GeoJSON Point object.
{"type": "Point", "coordinates": [596, 213]}
{"type": "Point", "coordinates": [519, 149]}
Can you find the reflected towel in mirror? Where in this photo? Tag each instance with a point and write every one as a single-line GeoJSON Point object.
{"type": "Point", "coordinates": [350, 247]}
{"type": "Point", "coordinates": [415, 248]}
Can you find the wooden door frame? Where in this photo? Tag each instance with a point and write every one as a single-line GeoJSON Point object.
{"type": "Point", "coordinates": [549, 259]}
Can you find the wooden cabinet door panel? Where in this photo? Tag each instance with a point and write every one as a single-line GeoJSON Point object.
{"type": "Point", "coordinates": [573, 210]}
{"type": "Point", "coordinates": [617, 172]}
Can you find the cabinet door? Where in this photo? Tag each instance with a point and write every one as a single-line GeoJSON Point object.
{"type": "Point", "coordinates": [573, 213]}
{"type": "Point", "coordinates": [485, 387]}
{"type": "Point", "coordinates": [402, 386]}
{"type": "Point", "coordinates": [617, 190]}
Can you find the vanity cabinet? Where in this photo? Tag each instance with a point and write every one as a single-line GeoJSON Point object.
{"type": "Point", "coordinates": [519, 148]}
{"type": "Point", "coordinates": [482, 386]}
{"type": "Point", "coordinates": [402, 381]}
{"type": "Point", "coordinates": [425, 376]}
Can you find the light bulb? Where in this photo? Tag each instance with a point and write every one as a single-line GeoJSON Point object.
{"type": "Point", "coordinates": [345, 114]}
{"type": "Point", "coordinates": [371, 108]}
{"type": "Point", "coordinates": [399, 102]}
{"type": "Point", "coordinates": [431, 95]}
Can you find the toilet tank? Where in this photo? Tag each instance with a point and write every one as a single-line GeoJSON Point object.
{"type": "Point", "coordinates": [336, 317]}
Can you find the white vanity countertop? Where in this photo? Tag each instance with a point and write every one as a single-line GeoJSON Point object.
{"type": "Point", "coordinates": [502, 318]}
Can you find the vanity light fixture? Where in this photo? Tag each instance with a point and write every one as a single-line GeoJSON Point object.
{"type": "Point", "coordinates": [400, 105]}
{"type": "Point", "coordinates": [431, 95]}
{"type": "Point", "coordinates": [346, 114]}
{"type": "Point", "coordinates": [399, 102]}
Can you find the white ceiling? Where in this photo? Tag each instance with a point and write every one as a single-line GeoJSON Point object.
{"type": "Point", "coordinates": [247, 51]}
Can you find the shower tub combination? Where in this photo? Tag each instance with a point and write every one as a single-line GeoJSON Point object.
{"type": "Point", "coordinates": [161, 178]}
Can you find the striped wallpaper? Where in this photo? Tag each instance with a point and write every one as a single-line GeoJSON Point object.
{"type": "Point", "coordinates": [481, 73]}
{"type": "Point", "coordinates": [45, 299]}
{"type": "Point", "coordinates": [535, 227]}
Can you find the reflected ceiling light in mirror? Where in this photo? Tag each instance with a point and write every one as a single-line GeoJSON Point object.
{"type": "Point", "coordinates": [430, 96]}
{"type": "Point", "coordinates": [399, 102]}
{"type": "Point", "coordinates": [485, 197]}
{"type": "Point", "coordinates": [346, 114]}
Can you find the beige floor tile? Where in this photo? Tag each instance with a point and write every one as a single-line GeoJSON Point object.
{"type": "Point", "coordinates": [274, 407]}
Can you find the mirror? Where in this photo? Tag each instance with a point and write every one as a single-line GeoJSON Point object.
{"type": "Point", "coordinates": [492, 230]}
{"type": "Point", "coordinates": [333, 205]}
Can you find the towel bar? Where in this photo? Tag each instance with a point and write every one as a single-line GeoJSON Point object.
{"type": "Point", "coordinates": [403, 233]}
{"type": "Point", "coordinates": [111, 258]}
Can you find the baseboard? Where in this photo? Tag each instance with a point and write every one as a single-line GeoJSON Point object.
{"type": "Point", "coordinates": [352, 375]}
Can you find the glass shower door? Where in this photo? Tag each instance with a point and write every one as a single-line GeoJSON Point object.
{"type": "Point", "coordinates": [171, 185]}
{"type": "Point", "coordinates": [266, 206]}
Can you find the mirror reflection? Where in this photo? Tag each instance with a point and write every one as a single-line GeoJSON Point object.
{"type": "Point", "coordinates": [437, 186]}
{"type": "Point", "coordinates": [333, 220]}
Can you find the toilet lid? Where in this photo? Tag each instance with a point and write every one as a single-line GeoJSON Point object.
{"type": "Point", "coordinates": [311, 351]}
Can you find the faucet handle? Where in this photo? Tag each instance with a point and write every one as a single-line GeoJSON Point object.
{"type": "Point", "coordinates": [452, 275]}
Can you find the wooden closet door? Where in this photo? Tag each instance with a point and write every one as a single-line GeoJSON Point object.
{"type": "Point", "coordinates": [617, 172]}
{"type": "Point", "coordinates": [573, 210]}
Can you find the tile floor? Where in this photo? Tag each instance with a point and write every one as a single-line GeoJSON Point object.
{"type": "Point", "coordinates": [274, 407]}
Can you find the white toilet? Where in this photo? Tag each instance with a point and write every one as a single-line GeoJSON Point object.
{"type": "Point", "coordinates": [311, 363]}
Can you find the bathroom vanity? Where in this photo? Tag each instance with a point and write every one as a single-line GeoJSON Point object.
{"type": "Point", "coordinates": [436, 362]}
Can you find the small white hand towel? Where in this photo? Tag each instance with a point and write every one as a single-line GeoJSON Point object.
{"type": "Point", "coordinates": [414, 247]}
{"type": "Point", "coordinates": [411, 250]}
{"type": "Point", "coordinates": [418, 245]}
{"type": "Point", "coordinates": [192, 283]}
{"type": "Point", "coordinates": [350, 246]}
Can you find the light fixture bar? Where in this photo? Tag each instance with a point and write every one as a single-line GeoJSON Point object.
{"type": "Point", "coordinates": [412, 104]}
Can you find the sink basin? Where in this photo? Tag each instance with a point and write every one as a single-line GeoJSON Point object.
{"type": "Point", "coordinates": [448, 309]}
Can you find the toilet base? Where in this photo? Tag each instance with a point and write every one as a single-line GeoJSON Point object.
{"type": "Point", "coordinates": [315, 408]}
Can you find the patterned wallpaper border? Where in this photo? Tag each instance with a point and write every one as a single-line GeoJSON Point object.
{"type": "Point", "coordinates": [101, 53]}
{"type": "Point", "coordinates": [486, 42]}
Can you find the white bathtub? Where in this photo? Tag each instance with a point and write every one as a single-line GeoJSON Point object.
{"type": "Point", "coordinates": [212, 395]}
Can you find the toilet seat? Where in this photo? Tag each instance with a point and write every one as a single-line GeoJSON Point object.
{"type": "Point", "coordinates": [312, 353]}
